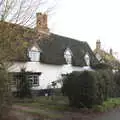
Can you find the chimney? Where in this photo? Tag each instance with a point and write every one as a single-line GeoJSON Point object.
{"type": "Point", "coordinates": [111, 51]}
{"type": "Point", "coordinates": [98, 44]}
{"type": "Point", "coordinates": [41, 23]}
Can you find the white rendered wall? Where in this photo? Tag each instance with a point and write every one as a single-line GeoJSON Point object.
{"type": "Point", "coordinates": [49, 72]}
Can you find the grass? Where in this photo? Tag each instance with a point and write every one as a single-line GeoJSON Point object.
{"type": "Point", "coordinates": [42, 113]}
{"type": "Point", "coordinates": [59, 103]}
{"type": "Point", "coordinates": [44, 106]}
{"type": "Point", "coordinates": [107, 105]}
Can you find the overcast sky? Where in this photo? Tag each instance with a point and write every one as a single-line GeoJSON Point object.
{"type": "Point", "coordinates": [88, 20]}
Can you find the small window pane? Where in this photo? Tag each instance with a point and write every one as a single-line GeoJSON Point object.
{"type": "Point", "coordinates": [34, 80]}
{"type": "Point", "coordinates": [34, 56]}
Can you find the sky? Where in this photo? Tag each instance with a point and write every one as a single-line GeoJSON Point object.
{"type": "Point", "coordinates": [88, 20]}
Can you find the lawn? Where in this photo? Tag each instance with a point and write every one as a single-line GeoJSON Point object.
{"type": "Point", "coordinates": [58, 103]}
{"type": "Point", "coordinates": [107, 105]}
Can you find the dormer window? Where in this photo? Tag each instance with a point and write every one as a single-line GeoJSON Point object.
{"type": "Point", "coordinates": [34, 54]}
{"type": "Point", "coordinates": [87, 59]}
{"type": "Point", "coordinates": [68, 55]}
{"type": "Point", "coordinates": [98, 56]}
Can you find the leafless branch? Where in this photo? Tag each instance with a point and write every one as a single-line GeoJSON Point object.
{"type": "Point", "coordinates": [23, 11]}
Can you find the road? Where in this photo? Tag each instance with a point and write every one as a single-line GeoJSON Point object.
{"type": "Point", "coordinates": [111, 115]}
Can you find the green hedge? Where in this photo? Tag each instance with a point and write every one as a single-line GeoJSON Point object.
{"type": "Point", "coordinates": [117, 82]}
{"type": "Point", "coordinates": [88, 88]}
{"type": "Point", "coordinates": [107, 105]}
{"type": "Point", "coordinates": [5, 92]}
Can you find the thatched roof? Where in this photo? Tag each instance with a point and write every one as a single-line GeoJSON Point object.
{"type": "Point", "coordinates": [52, 45]}
{"type": "Point", "coordinates": [53, 48]}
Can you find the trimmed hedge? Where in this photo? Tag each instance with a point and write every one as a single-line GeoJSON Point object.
{"type": "Point", "coordinates": [88, 88]}
{"type": "Point", "coordinates": [117, 83]}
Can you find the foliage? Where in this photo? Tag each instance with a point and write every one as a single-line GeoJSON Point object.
{"type": "Point", "coordinates": [78, 89]}
{"type": "Point", "coordinates": [107, 83]}
{"type": "Point", "coordinates": [108, 59]}
{"type": "Point", "coordinates": [5, 92]}
{"type": "Point", "coordinates": [24, 85]}
{"type": "Point", "coordinates": [117, 83]}
{"type": "Point", "coordinates": [101, 66]}
{"type": "Point", "coordinates": [107, 105]}
{"type": "Point", "coordinates": [87, 88]}
{"type": "Point", "coordinates": [14, 39]}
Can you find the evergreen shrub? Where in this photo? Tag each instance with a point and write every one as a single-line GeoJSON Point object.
{"type": "Point", "coordinates": [87, 88]}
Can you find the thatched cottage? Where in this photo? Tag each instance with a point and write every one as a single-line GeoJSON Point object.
{"type": "Point", "coordinates": [50, 56]}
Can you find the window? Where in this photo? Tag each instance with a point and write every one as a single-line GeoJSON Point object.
{"type": "Point", "coordinates": [68, 56]}
{"type": "Point", "coordinates": [98, 57]}
{"type": "Point", "coordinates": [87, 59]}
{"type": "Point", "coordinates": [33, 80]}
{"type": "Point", "coordinates": [34, 54]}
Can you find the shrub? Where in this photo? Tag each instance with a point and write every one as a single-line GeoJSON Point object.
{"type": "Point", "coordinates": [107, 105]}
{"type": "Point", "coordinates": [117, 83]}
{"type": "Point", "coordinates": [107, 83]}
{"type": "Point", "coordinates": [5, 93]}
{"type": "Point", "coordinates": [101, 66]}
{"type": "Point", "coordinates": [80, 88]}
{"type": "Point", "coordinates": [24, 88]}
{"type": "Point", "coordinates": [87, 88]}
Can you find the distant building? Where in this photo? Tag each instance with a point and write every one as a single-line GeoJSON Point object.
{"type": "Point", "coordinates": [105, 57]}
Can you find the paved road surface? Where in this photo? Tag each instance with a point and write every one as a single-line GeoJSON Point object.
{"type": "Point", "coordinates": [112, 115]}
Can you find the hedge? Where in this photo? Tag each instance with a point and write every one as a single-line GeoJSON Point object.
{"type": "Point", "coordinates": [88, 88]}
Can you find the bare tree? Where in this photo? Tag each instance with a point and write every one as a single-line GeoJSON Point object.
{"type": "Point", "coordinates": [14, 38]}
{"type": "Point", "coordinates": [23, 12]}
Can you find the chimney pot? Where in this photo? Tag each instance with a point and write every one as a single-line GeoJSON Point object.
{"type": "Point", "coordinates": [41, 24]}
{"type": "Point", "coordinates": [111, 51]}
{"type": "Point", "coordinates": [98, 44]}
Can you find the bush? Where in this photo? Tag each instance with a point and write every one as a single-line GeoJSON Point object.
{"type": "Point", "coordinates": [5, 93]}
{"type": "Point", "coordinates": [107, 83]}
{"type": "Point", "coordinates": [101, 66]}
{"type": "Point", "coordinates": [87, 88]}
{"type": "Point", "coordinates": [107, 105]}
{"type": "Point", "coordinates": [117, 83]}
{"type": "Point", "coordinates": [24, 88]}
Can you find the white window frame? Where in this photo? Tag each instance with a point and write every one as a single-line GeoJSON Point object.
{"type": "Point", "coordinates": [34, 55]}
{"type": "Point", "coordinates": [68, 55]}
{"type": "Point", "coordinates": [87, 59]}
{"type": "Point", "coordinates": [34, 80]}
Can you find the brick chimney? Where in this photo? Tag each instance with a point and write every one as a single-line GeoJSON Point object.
{"type": "Point", "coordinates": [111, 51]}
{"type": "Point", "coordinates": [98, 45]}
{"type": "Point", "coordinates": [41, 23]}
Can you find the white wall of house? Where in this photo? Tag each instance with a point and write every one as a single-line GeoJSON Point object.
{"type": "Point", "coordinates": [49, 72]}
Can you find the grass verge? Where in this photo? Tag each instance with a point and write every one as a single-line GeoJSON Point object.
{"type": "Point", "coordinates": [41, 113]}
{"type": "Point", "coordinates": [60, 103]}
{"type": "Point", "coordinates": [107, 105]}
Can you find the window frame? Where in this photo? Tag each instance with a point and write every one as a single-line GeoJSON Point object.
{"type": "Point", "coordinates": [33, 55]}
{"type": "Point", "coordinates": [32, 78]}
